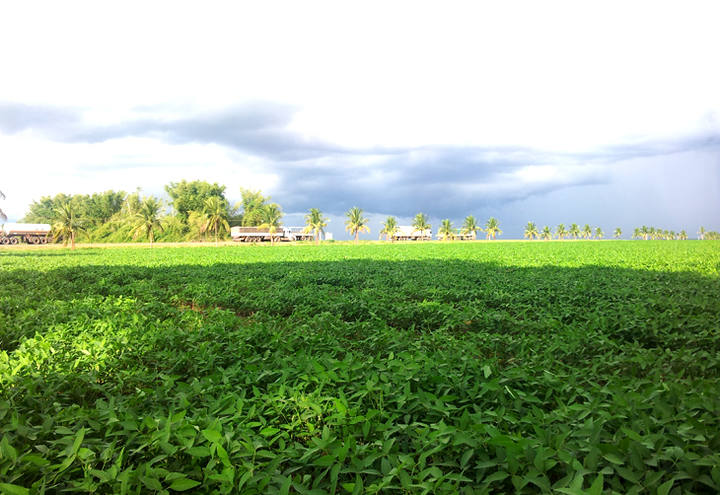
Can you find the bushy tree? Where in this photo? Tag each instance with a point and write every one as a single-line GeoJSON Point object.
{"type": "Point", "coordinates": [253, 205]}
{"type": "Point", "coordinates": [190, 196]}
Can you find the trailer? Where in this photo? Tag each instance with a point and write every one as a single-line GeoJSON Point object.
{"type": "Point", "coordinates": [32, 233]}
{"type": "Point", "coordinates": [262, 234]}
{"type": "Point", "coordinates": [410, 233]}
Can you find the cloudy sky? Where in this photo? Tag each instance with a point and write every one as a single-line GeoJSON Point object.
{"type": "Point", "coordinates": [607, 114]}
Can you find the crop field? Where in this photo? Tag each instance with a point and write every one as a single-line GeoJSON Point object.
{"type": "Point", "coordinates": [491, 367]}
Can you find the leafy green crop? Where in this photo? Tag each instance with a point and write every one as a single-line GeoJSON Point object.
{"type": "Point", "coordinates": [559, 367]}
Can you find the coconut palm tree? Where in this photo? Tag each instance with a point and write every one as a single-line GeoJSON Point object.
{"type": "Point", "coordinates": [315, 222]}
{"type": "Point", "coordinates": [271, 216]}
{"type": "Point", "coordinates": [216, 217]}
{"type": "Point", "coordinates": [701, 233]}
{"type": "Point", "coordinates": [599, 233]}
{"type": "Point", "coordinates": [3, 216]}
{"type": "Point", "coordinates": [644, 232]}
{"type": "Point", "coordinates": [147, 219]}
{"type": "Point", "coordinates": [574, 231]}
{"type": "Point", "coordinates": [356, 223]}
{"type": "Point", "coordinates": [446, 230]}
{"type": "Point", "coordinates": [492, 228]}
{"type": "Point", "coordinates": [66, 225]}
{"type": "Point", "coordinates": [390, 227]}
{"type": "Point", "coordinates": [470, 226]}
{"type": "Point", "coordinates": [682, 235]}
{"type": "Point", "coordinates": [420, 223]}
{"type": "Point", "coordinates": [560, 231]}
{"type": "Point", "coordinates": [618, 233]}
{"type": "Point", "coordinates": [531, 231]}
{"type": "Point", "coordinates": [652, 233]}
{"type": "Point", "coordinates": [546, 233]}
{"type": "Point", "coordinates": [587, 231]}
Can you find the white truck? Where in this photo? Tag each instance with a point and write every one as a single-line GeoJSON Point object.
{"type": "Point", "coordinates": [32, 233]}
{"type": "Point", "coordinates": [260, 234]}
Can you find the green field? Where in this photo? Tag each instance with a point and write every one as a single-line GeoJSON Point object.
{"type": "Point", "coordinates": [493, 367]}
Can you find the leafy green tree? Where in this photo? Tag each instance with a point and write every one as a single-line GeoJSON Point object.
{"type": "Point", "coordinates": [147, 219]}
{"type": "Point", "coordinates": [315, 222]}
{"type": "Point", "coordinates": [618, 232]}
{"type": "Point", "coordinates": [560, 231]}
{"type": "Point", "coordinates": [531, 231]}
{"type": "Point", "coordinates": [574, 231]}
{"type": "Point", "coordinates": [67, 224]}
{"type": "Point", "coordinates": [599, 233]}
{"type": "Point", "coordinates": [3, 216]}
{"type": "Point", "coordinates": [492, 228]}
{"type": "Point", "coordinates": [546, 233]}
{"type": "Point", "coordinates": [100, 207]}
{"type": "Point", "coordinates": [390, 228]}
{"type": "Point", "coordinates": [446, 230]}
{"type": "Point", "coordinates": [216, 214]}
{"type": "Point", "coordinates": [190, 196]}
{"type": "Point", "coordinates": [470, 226]}
{"type": "Point", "coordinates": [271, 216]}
{"type": "Point", "coordinates": [420, 223]}
{"type": "Point", "coordinates": [253, 205]}
{"type": "Point", "coordinates": [356, 222]}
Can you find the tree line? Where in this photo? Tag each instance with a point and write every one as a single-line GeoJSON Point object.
{"type": "Point", "coordinates": [199, 210]}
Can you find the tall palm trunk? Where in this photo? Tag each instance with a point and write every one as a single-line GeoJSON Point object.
{"type": "Point", "coordinates": [357, 236]}
{"type": "Point", "coordinates": [317, 237]}
{"type": "Point", "coordinates": [72, 240]}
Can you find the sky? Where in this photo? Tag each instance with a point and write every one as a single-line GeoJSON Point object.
{"type": "Point", "coordinates": [553, 112]}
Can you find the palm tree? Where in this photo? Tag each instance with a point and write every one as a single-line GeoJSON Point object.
{"type": "Point", "coordinates": [470, 226]}
{"type": "Point", "coordinates": [446, 230]}
{"type": "Point", "coordinates": [672, 235]}
{"type": "Point", "coordinates": [546, 233]}
{"type": "Point", "coordinates": [492, 228]}
{"type": "Point", "coordinates": [652, 233]}
{"type": "Point", "coordinates": [315, 222]}
{"type": "Point", "coordinates": [683, 235]}
{"type": "Point", "coordinates": [574, 231]}
{"type": "Point", "coordinates": [147, 219]}
{"type": "Point", "coordinates": [560, 231]}
{"type": "Point", "coordinates": [66, 224]}
{"type": "Point", "coordinates": [701, 233]}
{"type": "Point", "coordinates": [618, 232]}
{"type": "Point", "coordinates": [3, 216]}
{"type": "Point", "coordinates": [216, 216]}
{"type": "Point", "coordinates": [587, 231]}
{"type": "Point", "coordinates": [390, 227]}
{"type": "Point", "coordinates": [356, 223]}
{"type": "Point", "coordinates": [644, 232]}
{"type": "Point", "coordinates": [271, 215]}
{"type": "Point", "coordinates": [531, 231]}
{"type": "Point", "coordinates": [420, 223]}
{"type": "Point", "coordinates": [599, 233]}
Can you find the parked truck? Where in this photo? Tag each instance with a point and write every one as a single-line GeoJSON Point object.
{"type": "Point", "coordinates": [32, 233]}
{"type": "Point", "coordinates": [260, 234]}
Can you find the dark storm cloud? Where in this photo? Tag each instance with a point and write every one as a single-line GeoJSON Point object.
{"type": "Point", "coordinates": [441, 180]}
